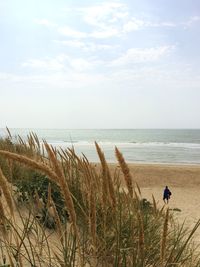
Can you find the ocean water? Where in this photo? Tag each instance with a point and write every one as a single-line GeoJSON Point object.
{"type": "Point", "coordinates": [142, 146]}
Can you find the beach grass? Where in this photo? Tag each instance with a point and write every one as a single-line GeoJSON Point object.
{"type": "Point", "coordinates": [57, 209]}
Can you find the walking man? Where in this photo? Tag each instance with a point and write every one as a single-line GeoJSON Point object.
{"type": "Point", "coordinates": [166, 194]}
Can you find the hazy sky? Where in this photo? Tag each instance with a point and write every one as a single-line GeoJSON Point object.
{"type": "Point", "coordinates": [100, 64]}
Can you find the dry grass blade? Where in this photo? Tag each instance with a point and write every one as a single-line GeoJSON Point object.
{"type": "Point", "coordinates": [21, 141]}
{"type": "Point", "coordinates": [154, 206]}
{"type": "Point", "coordinates": [2, 213]}
{"type": "Point", "coordinates": [49, 196]}
{"type": "Point", "coordinates": [63, 185]}
{"type": "Point", "coordinates": [31, 142]}
{"type": "Point", "coordinates": [125, 171]}
{"type": "Point", "coordinates": [137, 200]}
{"type": "Point", "coordinates": [138, 188]}
{"type": "Point", "coordinates": [93, 216]}
{"type": "Point", "coordinates": [164, 237]}
{"type": "Point", "coordinates": [108, 186]}
{"type": "Point", "coordinates": [36, 140]}
{"type": "Point", "coordinates": [57, 219]}
{"type": "Point", "coordinates": [181, 250]}
{"type": "Point", "coordinates": [141, 235]}
{"type": "Point", "coordinates": [2, 219]}
{"type": "Point", "coordinates": [31, 163]}
{"type": "Point", "coordinates": [6, 191]}
{"type": "Point", "coordinates": [9, 134]}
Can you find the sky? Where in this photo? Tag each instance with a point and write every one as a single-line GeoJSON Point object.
{"type": "Point", "coordinates": [99, 64]}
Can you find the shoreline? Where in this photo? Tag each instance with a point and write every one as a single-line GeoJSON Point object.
{"type": "Point", "coordinates": [169, 164]}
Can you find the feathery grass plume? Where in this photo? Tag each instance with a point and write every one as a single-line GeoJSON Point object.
{"type": "Point", "coordinates": [6, 191]}
{"type": "Point", "coordinates": [63, 155]}
{"type": "Point", "coordinates": [63, 185]}
{"type": "Point", "coordinates": [86, 174]}
{"type": "Point", "coordinates": [96, 178]}
{"type": "Point", "coordinates": [108, 186]}
{"type": "Point", "coordinates": [161, 210]}
{"type": "Point", "coordinates": [164, 238]}
{"type": "Point", "coordinates": [117, 180]}
{"type": "Point", "coordinates": [8, 131]}
{"type": "Point", "coordinates": [36, 140]}
{"type": "Point", "coordinates": [90, 176]}
{"type": "Point", "coordinates": [57, 219]}
{"type": "Point", "coordinates": [154, 206]}
{"type": "Point", "coordinates": [21, 141]}
{"type": "Point", "coordinates": [92, 216]}
{"type": "Point", "coordinates": [43, 151]}
{"type": "Point", "coordinates": [31, 142]}
{"type": "Point", "coordinates": [137, 198]}
{"type": "Point", "coordinates": [125, 171]}
{"type": "Point", "coordinates": [111, 187]}
{"type": "Point", "coordinates": [138, 188]}
{"type": "Point", "coordinates": [31, 163]}
{"type": "Point", "coordinates": [104, 180]}
{"type": "Point", "coordinates": [2, 219]}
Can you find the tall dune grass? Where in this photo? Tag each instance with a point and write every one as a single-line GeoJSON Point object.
{"type": "Point", "coordinates": [105, 223]}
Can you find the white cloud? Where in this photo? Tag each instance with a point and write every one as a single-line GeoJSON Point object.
{"type": "Point", "coordinates": [70, 79]}
{"type": "Point", "coordinates": [71, 43]}
{"type": "Point", "coordinates": [46, 64]}
{"type": "Point", "coordinates": [106, 19]}
{"type": "Point", "coordinates": [138, 55]}
{"type": "Point", "coordinates": [167, 76]}
{"type": "Point", "coordinates": [80, 64]}
{"type": "Point", "coordinates": [98, 34]}
{"type": "Point", "coordinates": [61, 64]}
{"type": "Point", "coordinates": [86, 46]}
{"type": "Point", "coordinates": [68, 31]}
{"type": "Point", "coordinates": [114, 19]}
{"type": "Point", "coordinates": [65, 63]}
{"type": "Point", "coordinates": [133, 25]}
{"type": "Point", "coordinates": [110, 32]}
{"type": "Point", "coordinates": [168, 24]}
{"type": "Point", "coordinates": [104, 14]}
{"type": "Point", "coordinates": [7, 77]}
{"type": "Point", "coordinates": [44, 22]}
{"type": "Point", "coordinates": [191, 21]}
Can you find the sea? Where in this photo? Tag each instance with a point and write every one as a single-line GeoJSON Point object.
{"type": "Point", "coordinates": [167, 146]}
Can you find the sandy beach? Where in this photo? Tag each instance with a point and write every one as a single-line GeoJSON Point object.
{"type": "Point", "coordinates": [183, 181]}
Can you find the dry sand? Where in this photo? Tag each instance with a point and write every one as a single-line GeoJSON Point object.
{"type": "Point", "coordinates": [182, 180]}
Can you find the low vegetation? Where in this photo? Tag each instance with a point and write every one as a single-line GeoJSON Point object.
{"type": "Point", "coordinates": [58, 209]}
